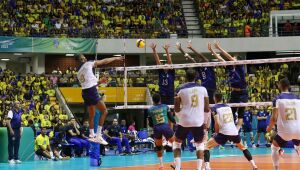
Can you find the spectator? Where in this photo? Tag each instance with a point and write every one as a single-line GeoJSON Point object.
{"type": "Point", "coordinates": [115, 137]}
{"type": "Point", "coordinates": [247, 30]}
{"type": "Point", "coordinates": [287, 28]}
{"type": "Point", "coordinates": [131, 128]}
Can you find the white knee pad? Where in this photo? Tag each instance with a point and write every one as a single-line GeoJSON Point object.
{"type": "Point", "coordinates": [176, 145]}
{"type": "Point", "coordinates": [199, 146]}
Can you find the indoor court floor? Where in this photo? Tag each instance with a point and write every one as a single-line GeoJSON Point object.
{"type": "Point", "coordinates": [226, 159]}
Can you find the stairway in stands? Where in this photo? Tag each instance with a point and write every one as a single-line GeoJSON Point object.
{"type": "Point", "coordinates": [191, 18]}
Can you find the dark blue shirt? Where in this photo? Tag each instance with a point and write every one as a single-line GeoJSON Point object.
{"type": "Point", "coordinates": [114, 130]}
{"type": "Point", "coordinates": [16, 119]}
{"type": "Point", "coordinates": [284, 96]}
{"type": "Point", "coordinates": [247, 119]}
{"type": "Point", "coordinates": [237, 77]}
{"type": "Point", "coordinates": [166, 82]}
{"type": "Point", "coordinates": [262, 123]}
{"type": "Point", "coordinates": [123, 129]}
{"type": "Point", "coordinates": [207, 77]}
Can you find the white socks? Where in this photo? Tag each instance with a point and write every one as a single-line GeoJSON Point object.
{"type": "Point", "coordinates": [160, 161]}
{"type": "Point", "coordinates": [99, 130]}
{"type": "Point", "coordinates": [178, 163]}
{"type": "Point", "coordinates": [92, 133]}
{"type": "Point", "coordinates": [253, 164]}
{"type": "Point", "coordinates": [275, 155]}
{"type": "Point", "coordinates": [199, 164]}
{"type": "Point", "coordinates": [207, 165]}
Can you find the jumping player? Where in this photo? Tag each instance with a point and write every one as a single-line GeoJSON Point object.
{"type": "Point", "coordinates": [159, 117]}
{"type": "Point", "coordinates": [190, 104]}
{"type": "Point", "coordinates": [90, 95]}
{"type": "Point", "coordinates": [237, 82]}
{"type": "Point", "coordinates": [286, 113]}
{"type": "Point", "coordinates": [166, 77]}
{"type": "Point", "coordinates": [225, 131]}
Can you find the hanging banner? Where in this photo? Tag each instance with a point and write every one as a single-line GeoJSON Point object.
{"type": "Point", "coordinates": [47, 45]}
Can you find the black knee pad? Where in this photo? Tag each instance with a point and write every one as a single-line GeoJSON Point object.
{"type": "Point", "coordinates": [247, 154]}
{"type": "Point", "coordinates": [159, 148]}
{"type": "Point", "coordinates": [206, 156]}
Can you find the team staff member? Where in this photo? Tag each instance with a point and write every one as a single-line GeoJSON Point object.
{"type": "Point", "coordinates": [166, 77]}
{"type": "Point", "coordinates": [237, 82]}
{"type": "Point", "coordinates": [14, 133]}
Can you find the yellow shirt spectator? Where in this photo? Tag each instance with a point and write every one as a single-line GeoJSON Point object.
{"type": "Point", "coordinates": [41, 142]}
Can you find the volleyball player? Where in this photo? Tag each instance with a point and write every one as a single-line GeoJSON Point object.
{"type": "Point", "coordinates": [166, 77]}
{"type": "Point", "coordinates": [90, 95]}
{"type": "Point", "coordinates": [286, 113]}
{"type": "Point", "coordinates": [247, 127]}
{"type": "Point", "coordinates": [159, 116]}
{"type": "Point", "coordinates": [237, 82]}
{"type": "Point", "coordinates": [190, 104]}
{"type": "Point", "coordinates": [225, 131]}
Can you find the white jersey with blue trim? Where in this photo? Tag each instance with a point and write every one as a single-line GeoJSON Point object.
{"type": "Point", "coordinates": [86, 75]}
{"type": "Point", "coordinates": [226, 120]}
{"type": "Point", "coordinates": [288, 119]}
{"type": "Point", "coordinates": [192, 105]}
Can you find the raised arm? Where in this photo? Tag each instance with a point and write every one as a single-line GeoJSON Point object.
{"type": "Point", "coordinates": [201, 57]}
{"type": "Point", "coordinates": [224, 53]}
{"type": "Point", "coordinates": [108, 60]}
{"type": "Point", "coordinates": [166, 48]}
{"type": "Point", "coordinates": [155, 55]}
{"type": "Point", "coordinates": [214, 53]}
{"type": "Point", "coordinates": [186, 55]}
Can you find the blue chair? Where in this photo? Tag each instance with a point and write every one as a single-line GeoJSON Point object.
{"type": "Point", "coordinates": [143, 139]}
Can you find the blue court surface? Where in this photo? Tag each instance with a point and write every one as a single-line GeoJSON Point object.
{"type": "Point", "coordinates": [126, 161]}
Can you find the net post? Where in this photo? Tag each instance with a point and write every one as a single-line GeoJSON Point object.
{"type": "Point", "coordinates": [125, 87]}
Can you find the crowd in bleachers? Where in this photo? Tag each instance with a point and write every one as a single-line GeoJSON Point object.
{"type": "Point", "coordinates": [96, 19]}
{"type": "Point", "coordinates": [238, 18]}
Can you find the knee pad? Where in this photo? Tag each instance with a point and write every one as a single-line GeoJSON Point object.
{"type": "Point", "coordinates": [176, 145]}
{"type": "Point", "coordinates": [247, 154]}
{"type": "Point", "coordinates": [158, 148]}
{"type": "Point", "coordinates": [199, 146]}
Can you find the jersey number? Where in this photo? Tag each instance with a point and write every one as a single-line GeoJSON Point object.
{"type": "Point", "coordinates": [159, 118]}
{"type": "Point", "coordinates": [228, 118]}
{"type": "Point", "coordinates": [165, 82]}
{"type": "Point", "coordinates": [194, 99]}
{"type": "Point", "coordinates": [82, 79]}
{"type": "Point", "coordinates": [203, 75]}
{"type": "Point", "coordinates": [291, 114]}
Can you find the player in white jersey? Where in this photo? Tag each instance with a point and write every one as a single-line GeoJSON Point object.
{"type": "Point", "coordinates": [191, 102]}
{"type": "Point", "coordinates": [225, 130]}
{"type": "Point", "coordinates": [286, 114]}
{"type": "Point", "coordinates": [90, 95]}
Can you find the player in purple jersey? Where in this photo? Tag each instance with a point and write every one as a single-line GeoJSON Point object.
{"type": "Point", "coordinates": [166, 77]}
{"type": "Point", "coordinates": [237, 82]}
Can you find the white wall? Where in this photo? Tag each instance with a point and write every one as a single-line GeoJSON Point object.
{"type": "Point", "coordinates": [38, 63]}
{"type": "Point", "coordinates": [113, 46]}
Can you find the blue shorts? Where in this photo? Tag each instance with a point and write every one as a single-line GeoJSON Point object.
{"type": "Point", "coordinates": [221, 139]}
{"type": "Point", "coordinates": [162, 129]}
{"type": "Point", "coordinates": [281, 142]}
{"type": "Point", "coordinates": [182, 132]}
{"type": "Point", "coordinates": [261, 129]}
{"type": "Point", "coordinates": [247, 129]}
{"type": "Point", "coordinates": [90, 96]}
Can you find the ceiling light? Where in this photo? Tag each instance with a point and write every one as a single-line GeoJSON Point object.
{"type": "Point", "coordinates": [118, 55]}
{"type": "Point", "coordinates": [5, 59]}
{"type": "Point", "coordinates": [69, 55]}
{"type": "Point", "coordinates": [18, 54]}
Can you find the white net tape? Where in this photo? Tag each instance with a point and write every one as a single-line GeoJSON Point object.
{"type": "Point", "coordinates": [211, 64]}
{"type": "Point", "coordinates": [250, 104]}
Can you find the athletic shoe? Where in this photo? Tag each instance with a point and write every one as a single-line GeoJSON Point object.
{"type": "Point", "coordinates": [122, 154]}
{"type": "Point", "coordinates": [253, 145]}
{"type": "Point", "coordinates": [173, 166]}
{"type": "Point", "coordinates": [18, 161]}
{"type": "Point", "coordinates": [92, 139]}
{"type": "Point", "coordinates": [255, 168]}
{"type": "Point", "coordinates": [276, 168]}
{"type": "Point", "coordinates": [100, 140]}
{"type": "Point", "coordinates": [11, 161]}
{"type": "Point", "coordinates": [161, 168]}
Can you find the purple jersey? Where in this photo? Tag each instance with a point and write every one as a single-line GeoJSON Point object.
{"type": "Point", "coordinates": [247, 119]}
{"type": "Point", "coordinates": [166, 82]}
{"type": "Point", "coordinates": [237, 77]}
{"type": "Point", "coordinates": [207, 77]}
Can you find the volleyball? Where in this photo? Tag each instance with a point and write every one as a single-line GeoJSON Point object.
{"type": "Point", "coordinates": [140, 43]}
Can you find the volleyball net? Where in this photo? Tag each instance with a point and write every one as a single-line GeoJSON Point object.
{"type": "Point", "coordinates": [140, 82]}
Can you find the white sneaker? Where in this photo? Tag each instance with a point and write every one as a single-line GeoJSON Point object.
{"type": "Point", "coordinates": [100, 140]}
{"type": "Point", "coordinates": [18, 161]}
{"type": "Point", "coordinates": [92, 139]}
{"type": "Point", "coordinates": [253, 145]}
{"type": "Point", "coordinates": [11, 161]}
